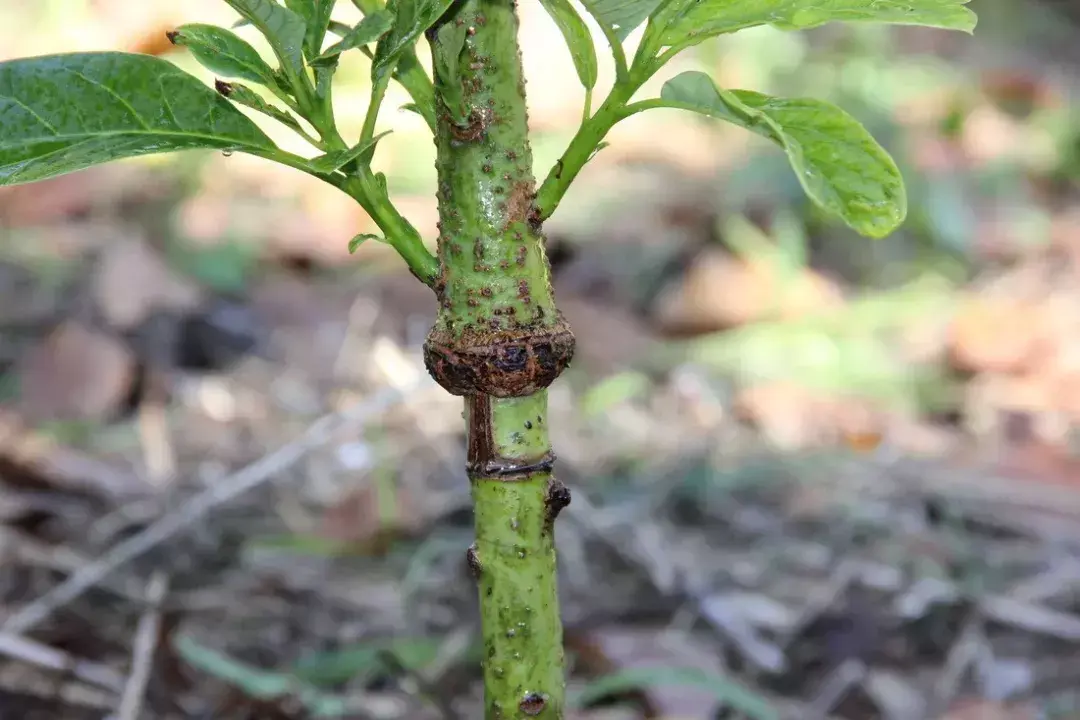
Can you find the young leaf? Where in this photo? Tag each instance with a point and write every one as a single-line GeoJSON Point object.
{"type": "Point", "coordinates": [223, 53]}
{"type": "Point", "coordinates": [66, 112]}
{"type": "Point", "coordinates": [691, 21]}
{"type": "Point", "coordinates": [448, 49]}
{"type": "Point", "coordinates": [360, 239]}
{"type": "Point", "coordinates": [334, 161]}
{"type": "Point", "coordinates": [578, 39]}
{"type": "Point", "coordinates": [411, 19]}
{"type": "Point", "coordinates": [840, 166]}
{"type": "Point", "coordinates": [367, 31]}
{"type": "Point", "coordinates": [316, 16]}
{"type": "Point", "coordinates": [283, 29]}
{"type": "Point", "coordinates": [621, 17]}
{"type": "Point", "coordinates": [249, 98]}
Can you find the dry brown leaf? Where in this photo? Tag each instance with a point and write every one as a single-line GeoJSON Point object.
{"type": "Point", "coordinates": [74, 373]}
{"type": "Point", "coordinates": [792, 416]}
{"type": "Point", "coordinates": [132, 281]}
{"type": "Point", "coordinates": [609, 338]}
{"type": "Point", "coordinates": [977, 709]}
{"type": "Point", "coordinates": [996, 334]}
{"type": "Point", "coordinates": [990, 134]}
{"type": "Point", "coordinates": [719, 292]}
{"type": "Point", "coordinates": [357, 519]}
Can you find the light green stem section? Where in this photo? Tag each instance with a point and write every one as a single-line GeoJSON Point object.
{"type": "Point", "coordinates": [499, 341]}
{"type": "Point", "coordinates": [515, 553]}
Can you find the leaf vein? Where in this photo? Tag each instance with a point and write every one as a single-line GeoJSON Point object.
{"type": "Point", "coordinates": [110, 91]}
{"type": "Point", "coordinates": [27, 108]}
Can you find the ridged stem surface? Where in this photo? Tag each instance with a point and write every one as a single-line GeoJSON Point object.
{"type": "Point", "coordinates": [499, 342]}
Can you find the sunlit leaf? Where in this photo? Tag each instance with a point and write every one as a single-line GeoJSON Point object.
{"type": "Point", "coordinates": [621, 17]}
{"type": "Point", "coordinates": [62, 113]}
{"type": "Point", "coordinates": [689, 21]}
{"type": "Point", "coordinates": [223, 52]}
{"type": "Point", "coordinates": [839, 164]}
{"type": "Point", "coordinates": [368, 30]}
{"type": "Point", "coordinates": [411, 19]}
{"type": "Point", "coordinates": [282, 28]}
{"type": "Point", "coordinates": [578, 39]}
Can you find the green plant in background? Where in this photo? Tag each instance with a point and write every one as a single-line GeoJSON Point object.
{"type": "Point", "coordinates": [499, 340]}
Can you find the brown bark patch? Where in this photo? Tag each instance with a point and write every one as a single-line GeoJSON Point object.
{"type": "Point", "coordinates": [506, 363]}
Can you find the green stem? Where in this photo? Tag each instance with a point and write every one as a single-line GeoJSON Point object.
{"type": "Point", "coordinates": [584, 143]}
{"type": "Point", "coordinates": [499, 341]}
{"type": "Point", "coordinates": [400, 234]}
{"type": "Point", "coordinates": [378, 92]}
{"type": "Point", "coordinates": [409, 73]}
{"type": "Point", "coordinates": [593, 129]}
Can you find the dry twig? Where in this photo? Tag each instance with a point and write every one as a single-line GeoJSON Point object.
{"type": "Point", "coordinates": [142, 653]}
{"type": "Point", "coordinates": [251, 476]}
{"type": "Point", "coordinates": [34, 653]}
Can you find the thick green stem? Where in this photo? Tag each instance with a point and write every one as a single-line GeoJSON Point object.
{"type": "Point", "coordinates": [499, 341]}
{"type": "Point", "coordinates": [513, 557]}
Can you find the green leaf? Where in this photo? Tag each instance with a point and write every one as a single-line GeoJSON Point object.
{"type": "Point", "coordinates": [365, 662]}
{"type": "Point", "coordinates": [727, 691]}
{"type": "Point", "coordinates": [411, 19]}
{"type": "Point", "coordinates": [687, 22]}
{"type": "Point", "coordinates": [256, 682]}
{"type": "Point", "coordinates": [316, 16]}
{"type": "Point", "coordinates": [448, 49]}
{"type": "Point", "coordinates": [368, 30]}
{"type": "Point", "coordinates": [578, 39]}
{"type": "Point", "coordinates": [243, 95]}
{"type": "Point", "coordinates": [332, 162]}
{"type": "Point", "coordinates": [360, 239]}
{"type": "Point", "coordinates": [338, 28]}
{"type": "Point", "coordinates": [224, 53]}
{"type": "Point", "coordinates": [621, 17]}
{"type": "Point", "coordinates": [839, 164]}
{"type": "Point", "coordinates": [282, 28]}
{"type": "Point", "coordinates": [62, 113]}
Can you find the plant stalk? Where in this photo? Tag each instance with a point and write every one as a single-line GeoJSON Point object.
{"type": "Point", "coordinates": [499, 341]}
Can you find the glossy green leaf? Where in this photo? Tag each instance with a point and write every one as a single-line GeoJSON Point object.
{"type": "Point", "coordinates": [621, 17]}
{"type": "Point", "coordinates": [332, 162]}
{"type": "Point", "coordinates": [247, 97]}
{"type": "Point", "coordinates": [316, 16]}
{"type": "Point", "coordinates": [367, 31]}
{"type": "Point", "coordinates": [578, 39]}
{"type": "Point", "coordinates": [839, 164]}
{"type": "Point", "coordinates": [448, 50]}
{"type": "Point", "coordinates": [61, 113]}
{"type": "Point", "coordinates": [411, 19]}
{"type": "Point", "coordinates": [690, 21]}
{"type": "Point", "coordinates": [282, 28]}
{"type": "Point", "coordinates": [223, 52]}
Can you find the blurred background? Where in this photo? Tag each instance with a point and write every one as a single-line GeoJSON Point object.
{"type": "Point", "coordinates": [814, 475]}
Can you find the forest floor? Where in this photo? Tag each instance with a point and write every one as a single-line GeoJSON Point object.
{"type": "Point", "coordinates": [813, 476]}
